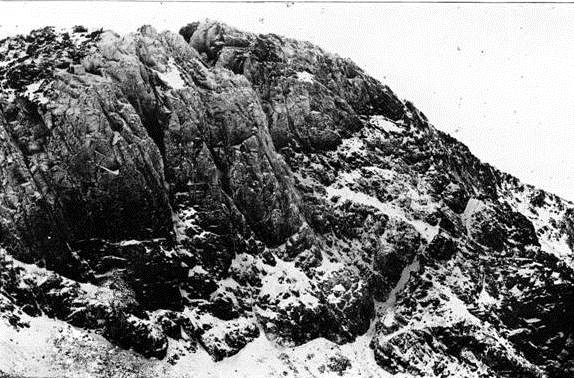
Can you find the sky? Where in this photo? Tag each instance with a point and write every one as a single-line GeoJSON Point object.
{"type": "Point", "coordinates": [498, 77]}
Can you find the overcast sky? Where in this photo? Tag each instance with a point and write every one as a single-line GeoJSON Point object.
{"type": "Point", "coordinates": [500, 78]}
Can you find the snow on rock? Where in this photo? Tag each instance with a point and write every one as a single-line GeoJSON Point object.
{"type": "Point", "coordinates": [546, 212]}
{"type": "Point", "coordinates": [305, 77]}
{"type": "Point", "coordinates": [34, 92]}
{"type": "Point", "coordinates": [385, 124]}
{"type": "Point", "coordinates": [227, 338]}
{"type": "Point", "coordinates": [284, 280]}
{"type": "Point", "coordinates": [39, 350]}
{"type": "Point", "coordinates": [485, 299]}
{"type": "Point", "coordinates": [362, 198]}
{"type": "Point", "coordinates": [346, 194]}
{"type": "Point", "coordinates": [172, 76]}
{"type": "Point", "coordinates": [472, 205]}
{"type": "Point", "coordinates": [289, 306]}
{"type": "Point", "coordinates": [268, 223]}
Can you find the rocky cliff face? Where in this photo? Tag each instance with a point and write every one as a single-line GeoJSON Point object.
{"type": "Point", "coordinates": [195, 196]}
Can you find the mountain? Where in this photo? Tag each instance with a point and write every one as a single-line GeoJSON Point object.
{"type": "Point", "coordinates": [217, 203]}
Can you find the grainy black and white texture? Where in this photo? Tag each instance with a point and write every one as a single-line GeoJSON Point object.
{"type": "Point", "coordinates": [220, 203]}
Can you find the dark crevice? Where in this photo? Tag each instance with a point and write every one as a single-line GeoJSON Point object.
{"type": "Point", "coordinates": [152, 121]}
{"type": "Point", "coordinates": [155, 120]}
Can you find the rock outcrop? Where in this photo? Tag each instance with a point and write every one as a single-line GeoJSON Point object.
{"type": "Point", "coordinates": [207, 191]}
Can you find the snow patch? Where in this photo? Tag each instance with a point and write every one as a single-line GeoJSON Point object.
{"type": "Point", "coordinates": [384, 123]}
{"type": "Point", "coordinates": [53, 348]}
{"type": "Point", "coordinates": [285, 279]}
{"type": "Point", "coordinates": [33, 92]}
{"type": "Point", "coordinates": [485, 299]}
{"type": "Point", "coordinates": [126, 243]}
{"type": "Point", "coordinates": [183, 220]}
{"type": "Point", "coordinates": [172, 76]}
{"type": "Point", "coordinates": [6, 63]}
{"type": "Point", "coordinates": [551, 239]}
{"type": "Point", "coordinates": [305, 77]}
{"type": "Point", "coordinates": [344, 193]}
{"type": "Point", "coordinates": [347, 194]}
{"type": "Point", "coordinates": [386, 309]}
{"type": "Point", "coordinates": [197, 269]}
{"type": "Point", "coordinates": [472, 205]}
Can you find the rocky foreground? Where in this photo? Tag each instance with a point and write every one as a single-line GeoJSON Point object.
{"type": "Point", "coordinates": [220, 203]}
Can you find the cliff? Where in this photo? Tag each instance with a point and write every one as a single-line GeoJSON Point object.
{"type": "Point", "coordinates": [215, 201]}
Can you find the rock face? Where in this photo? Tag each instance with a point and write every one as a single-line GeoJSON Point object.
{"type": "Point", "coordinates": [214, 191]}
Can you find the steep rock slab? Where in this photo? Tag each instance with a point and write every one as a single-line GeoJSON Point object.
{"type": "Point", "coordinates": [312, 98]}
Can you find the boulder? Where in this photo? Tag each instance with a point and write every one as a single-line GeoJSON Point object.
{"type": "Point", "coordinates": [484, 226]}
{"type": "Point", "coordinates": [401, 244]}
{"type": "Point", "coordinates": [455, 197]}
{"type": "Point", "coordinates": [350, 304]}
{"type": "Point", "coordinates": [442, 247]}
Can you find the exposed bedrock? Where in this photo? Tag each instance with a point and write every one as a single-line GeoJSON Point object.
{"type": "Point", "coordinates": [212, 187]}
